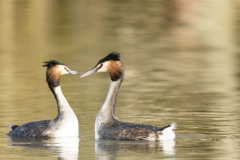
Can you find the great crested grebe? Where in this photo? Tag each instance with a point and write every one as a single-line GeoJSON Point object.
{"type": "Point", "coordinates": [107, 125]}
{"type": "Point", "coordinates": [66, 122]}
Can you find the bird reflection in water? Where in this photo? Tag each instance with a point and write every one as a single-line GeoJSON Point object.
{"type": "Point", "coordinates": [108, 149]}
{"type": "Point", "coordinates": [63, 148]}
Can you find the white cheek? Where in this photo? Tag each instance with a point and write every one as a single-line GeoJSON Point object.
{"type": "Point", "coordinates": [104, 68]}
{"type": "Point", "coordinates": [63, 70]}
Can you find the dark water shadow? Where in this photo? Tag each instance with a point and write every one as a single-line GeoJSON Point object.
{"type": "Point", "coordinates": [63, 148]}
{"type": "Point", "coordinates": [109, 149]}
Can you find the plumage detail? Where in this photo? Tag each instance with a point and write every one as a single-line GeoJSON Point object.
{"type": "Point", "coordinates": [52, 63]}
{"type": "Point", "coordinates": [115, 56]}
{"type": "Point", "coordinates": [127, 131]}
{"type": "Point", "coordinates": [31, 129]}
{"type": "Point", "coordinates": [53, 72]}
{"type": "Point", "coordinates": [118, 130]}
{"type": "Point", "coordinates": [12, 127]}
{"type": "Point", "coordinates": [115, 70]}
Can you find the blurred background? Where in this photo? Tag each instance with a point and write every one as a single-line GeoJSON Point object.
{"type": "Point", "coordinates": [181, 59]}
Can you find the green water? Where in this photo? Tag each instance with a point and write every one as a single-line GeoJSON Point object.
{"type": "Point", "coordinates": [182, 64]}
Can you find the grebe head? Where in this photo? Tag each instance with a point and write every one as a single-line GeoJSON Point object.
{"type": "Point", "coordinates": [111, 64]}
{"type": "Point", "coordinates": [55, 70]}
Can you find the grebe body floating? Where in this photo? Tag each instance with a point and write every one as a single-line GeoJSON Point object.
{"type": "Point", "coordinates": [107, 125]}
{"type": "Point", "coordinates": [66, 122]}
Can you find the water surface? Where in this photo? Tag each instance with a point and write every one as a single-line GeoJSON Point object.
{"type": "Point", "coordinates": [181, 64]}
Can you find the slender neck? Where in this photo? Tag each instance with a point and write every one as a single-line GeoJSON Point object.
{"type": "Point", "coordinates": [107, 112]}
{"type": "Point", "coordinates": [53, 81]}
{"type": "Point", "coordinates": [62, 103]}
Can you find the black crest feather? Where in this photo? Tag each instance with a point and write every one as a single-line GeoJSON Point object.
{"type": "Point", "coordinates": [115, 56]}
{"type": "Point", "coordinates": [51, 63]}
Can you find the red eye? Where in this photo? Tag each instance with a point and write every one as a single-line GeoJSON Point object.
{"type": "Point", "coordinates": [100, 66]}
{"type": "Point", "coordinates": [66, 69]}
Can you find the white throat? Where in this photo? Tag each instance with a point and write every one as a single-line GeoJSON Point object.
{"type": "Point", "coordinates": [107, 112]}
{"type": "Point", "coordinates": [63, 105]}
{"type": "Point", "coordinates": [66, 120]}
